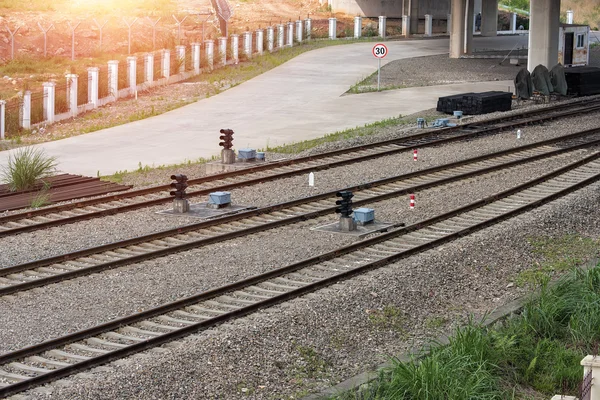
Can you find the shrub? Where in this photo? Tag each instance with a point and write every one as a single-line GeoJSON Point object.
{"type": "Point", "coordinates": [26, 166]}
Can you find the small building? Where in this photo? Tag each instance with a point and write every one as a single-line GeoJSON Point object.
{"type": "Point", "coordinates": [573, 45]}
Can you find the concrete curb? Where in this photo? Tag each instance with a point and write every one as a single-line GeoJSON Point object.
{"type": "Point", "coordinates": [368, 376]}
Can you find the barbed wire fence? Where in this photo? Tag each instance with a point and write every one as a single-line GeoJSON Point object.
{"type": "Point", "coordinates": [85, 38]}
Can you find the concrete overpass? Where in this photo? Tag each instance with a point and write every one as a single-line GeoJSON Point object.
{"type": "Point", "coordinates": [460, 16]}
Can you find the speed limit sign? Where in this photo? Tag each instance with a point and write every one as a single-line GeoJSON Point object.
{"type": "Point", "coordinates": [380, 50]}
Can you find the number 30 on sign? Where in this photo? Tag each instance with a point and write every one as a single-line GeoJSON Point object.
{"type": "Point", "coordinates": [380, 50]}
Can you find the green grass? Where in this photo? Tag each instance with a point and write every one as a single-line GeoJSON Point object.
{"type": "Point", "coordinates": [538, 350]}
{"type": "Point", "coordinates": [366, 130]}
{"type": "Point", "coordinates": [121, 176]}
{"type": "Point", "coordinates": [389, 317]}
{"type": "Point", "coordinates": [25, 167]}
{"type": "Point", "coordinates": [41, 199]}
{"type": "Point", "coordinates": [558, 255]}
{"type": "Point", "coordinates": [257, 65]}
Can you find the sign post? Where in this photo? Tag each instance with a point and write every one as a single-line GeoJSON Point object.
{"type": "Point", "coordinates": [380, 50]}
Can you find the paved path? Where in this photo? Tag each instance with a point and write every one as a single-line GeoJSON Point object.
{"type": "Point", "coordinates": [298, 100]}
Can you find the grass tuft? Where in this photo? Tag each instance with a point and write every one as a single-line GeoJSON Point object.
{"type": "Point", "coordinates": [26, 166]}
{"type": "Point", "coordinates": [538, 350]}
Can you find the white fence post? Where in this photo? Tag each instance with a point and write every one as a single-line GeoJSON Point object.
{"type": "Point", "coordinates": [332, 28]}
{"type": "Point", "coordinates": [235, 46]}
{"type": "Point", "coordinates": [92, 86]}
{"type": "Point", "coordinates": [290, 34]}
{"type": "Point", "coordinates": [166, 63]}
{"type": "Point", "coordinates": [223, 50]}
{"type": "Point", "coordinates": [26, 110]}
{"type": "Point", "coordinates": [382, 26]}
{"type": "Point", "coordinates": [280, 35]}
{"type": "Point", "coordinates": [299, 31]}
{"type": "Point", "coordinates": [591, 364]}
{"type": "Point", "coordinates": [357, 27]}
{"type": "Point", "coordinates": [113, 78]}
{"type": "Point", "coordinates": [270, 38]}
{"type": "Point", "coordinates": [181, 58]}
{"type": "Point", "coordinates": [248, 44]}
{"type": "Point", "coordinates": [2, 118]}
{"type": "Point", "coordinates": [260, 41]}
{"type": "Point", "coordinates": [428, 24]}
{"type": "Point", "coordinates": [49, 94]}
{"type": "Point", "coordinates": [149, 67]}
{"type": "Point", "coordinates": [132, 74]}
{"type": "Point", "coordinates": [308, 27]}
{"type": "Point", "coordinates": [209, 46]}
{"type": "Point", "coordinates": [72, 93]}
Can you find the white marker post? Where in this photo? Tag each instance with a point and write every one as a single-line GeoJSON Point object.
{"type": "Point", "coordinates": [380, 50]}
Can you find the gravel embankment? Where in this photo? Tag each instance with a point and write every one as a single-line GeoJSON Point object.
{"type": "Point", "coordinates": [309, 343]}
{"type": "Point", "coordinates": [312, 342]}
{"type": "Point", "coordinates": [411, 72]}
{"type": "Point", "coordinates": [100, 297]}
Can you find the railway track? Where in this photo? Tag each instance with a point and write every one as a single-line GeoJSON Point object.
{"type": "Point", "coordinates": [56, 358]}
{"type": "Point", "coordinates": [94, 208]}
{"type": "Point", "coordinates": [43, 272]}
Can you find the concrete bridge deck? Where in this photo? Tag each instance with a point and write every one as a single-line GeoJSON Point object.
{"type": "Point", "coordinates": [295, 101]}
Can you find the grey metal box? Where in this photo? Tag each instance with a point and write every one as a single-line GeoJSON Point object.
{"type": "Point", "coordinates": [219, 198]}
{"type": "Point", "coordinates": [246, 154]}
{"type": "Point", "coordinates": [364, 215]}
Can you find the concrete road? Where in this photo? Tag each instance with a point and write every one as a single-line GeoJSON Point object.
{"type": "Point", "coordinates": [301, 99]}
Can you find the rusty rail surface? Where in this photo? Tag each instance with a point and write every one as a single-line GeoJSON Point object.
{"type": "Point", "coordinates": [112, 255]}
{"type": "Point", "coordinates": [12, 224]}
{"type": "Point", "coordinates": [56, 189]}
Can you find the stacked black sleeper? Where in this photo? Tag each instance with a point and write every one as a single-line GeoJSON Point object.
{"type": "Point", "coordinates": [583, 81]}
{"type": "Point", "coordinates": [476, 103]}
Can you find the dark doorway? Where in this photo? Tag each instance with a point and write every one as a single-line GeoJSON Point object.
{"type": "Point", "coordinates": [568, 54]}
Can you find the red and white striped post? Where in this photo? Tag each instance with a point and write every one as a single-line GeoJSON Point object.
{"type": "Point", "coordinates": [412, 201]}
{"type": "Point", "coordinates": [415, 155]}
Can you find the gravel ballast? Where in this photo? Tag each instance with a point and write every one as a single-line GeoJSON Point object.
{"type": "Point", "coordinates": [320, 339]}
{"type": "Point", "coordinates": [324, 337]}
{"type": "Point", "coordinates": [63, 239]}
{"type": "Point", "coordinates": [133, 288]}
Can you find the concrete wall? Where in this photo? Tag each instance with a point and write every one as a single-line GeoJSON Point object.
{"type": "Point", "coordinates": [369, 8]}
{"type": "Point", "coordinates": [437, 8]}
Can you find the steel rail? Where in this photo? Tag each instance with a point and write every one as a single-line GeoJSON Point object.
{"type": "Point", "coordinates": [421, 140]}
{"type": "Point", "coordinates": [278, 222]}
{"type": "Point", "coordinates": [569, 178]}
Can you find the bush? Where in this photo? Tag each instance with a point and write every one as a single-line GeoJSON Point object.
{"type": "Point", "coordinates": [26, 166]}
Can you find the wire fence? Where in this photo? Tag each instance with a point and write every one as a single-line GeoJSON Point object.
{"type": "Point", "coordinates": [79, 38]}
{"type": "Point", "coordinates": [103, 76]}
{"type": "Point", "coordinates": [83, 83]}
{"type": "Point", "coordinates": [37, 106]}
{"type": "Point", "coordinates": [13, 115]}
{"type": "Point", "coordinates": [61, 104]}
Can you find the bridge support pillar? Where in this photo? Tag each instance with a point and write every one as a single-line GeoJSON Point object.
{"type": "Point", "coordinates": [544, 22]}
{"type": "Point", "coordinates": [489, 18]}
{"type": "Point", "coordinates": [470, 26]}
{"type": "Point", "coordinates": [458, 26]}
